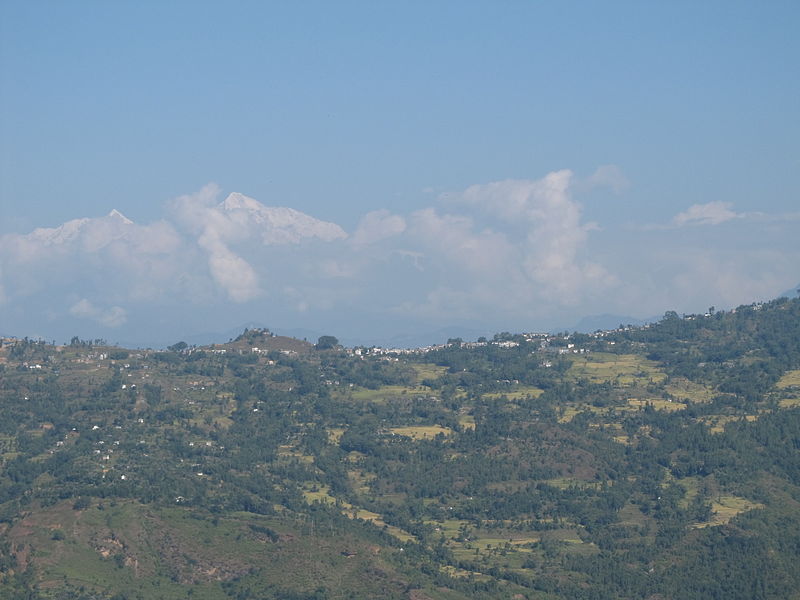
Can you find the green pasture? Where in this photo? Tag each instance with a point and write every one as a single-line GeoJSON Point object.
{"type": "Point", "coordinates": [517, 392]}
{"type": "Point", "coordinates": [564, 483]}
{"type": "Point", "coordinates": [428, 371]}
{"type": "Point", "coordinates": [317, 492]}
{"type": "Point", "coordinates": [569, 411]}
{"type": "Point", "coordinates": [657, 404]}
{"type": "Point", "coordinates": [725, 508]}
{"type": "Point", "coordinates": [504, 547]}
{"type": "Point", "coordinates": [422, 432]}
{"type": "Point", "coordinates": [622, 369]}
{"type": "Point", "coordinates": [466, 421]}
{"type": "Point", "coordinates": [387, 393]}
{"type": "Point", "coordinates": [683, 389]}
{"type": "Point", "coordinates": [321, 493]}
{"type": "Point", "coordinates": [360, 480]}
{"type": "Point", "coordinates": [691, 485]}
{"type": "Point", "coordinates": [631, 514]}
{"type": "Point", "coordinates": [288, 451]}
{"type": "Point", "coordinates": [452, 571]}
{"type": "Point", "coordinates": [335, 434]}
{"type": "Point", "coordinates": [716, 423]}
{"type": "Point", "coordinates": [789, 379]}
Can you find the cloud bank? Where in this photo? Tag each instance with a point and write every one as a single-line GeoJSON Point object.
{"type": "Point", "coordinates": [513, 254]}
{"type": "Point", "coordinates": [712, 213]}
{"type": "Point", "coordinates": [114, 316]}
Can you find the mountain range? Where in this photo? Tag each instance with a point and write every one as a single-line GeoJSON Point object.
{"type": "Point", "coordinates": [278, 224]}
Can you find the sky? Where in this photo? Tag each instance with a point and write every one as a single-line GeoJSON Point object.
{"type": "Point", "coordinates": [488, 166]}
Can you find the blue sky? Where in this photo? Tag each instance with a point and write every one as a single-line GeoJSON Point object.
{"type": "Point", "coordinates": [674, 128]}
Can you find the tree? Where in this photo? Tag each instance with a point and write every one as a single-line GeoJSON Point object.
{"type": "Point", "coordinates": [326, 342]}
{"type": "Point", "coordinates": [178, 347]}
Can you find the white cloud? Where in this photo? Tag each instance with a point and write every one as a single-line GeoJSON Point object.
{"type": "Point", "coordinates": [712, 213]}
{"type": "Point", "coordinates": [512, 244]}
{"type": "Point", "coordinates": [453, 238]}
{"type": "Point", "coordinates": [608, 176]}
{"type": "Point", "coordinates": [513, 247]}
{"type": "Point", "coordinates": [114, 316]}
{"type": "Point", "coordinates": [410, 256]}
{"type": "Point", "coordinates": [255, 230]}
{"type": "Point", "coordinates": [331, 268]}
{"type": "Point", "coordinates": [515, 199]}
{"type": "Point", "coordinates": [200, 214]}
{"type": "Point", "coordinates": [733, 277]}
{"type": "Point", "coordinates": [275, 224]}
{"type": "Point", "coordinates": [132, 260]}
{"type": "Point", "coordinates": [554, 233]}
{"type": "Point", "coordinates": [689, 268]}
{"type": "Point", "coordinates": [378, 225]}
{"type": "Point", "coordinates": [517, 250]}
{"type": "Point", "coordinates": [239, 218]}
{"type": "Point", "coordinates": [230, 271]}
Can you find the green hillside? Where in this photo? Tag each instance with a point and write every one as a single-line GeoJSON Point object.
{"type": "Point", "coordinates": [653, 463]}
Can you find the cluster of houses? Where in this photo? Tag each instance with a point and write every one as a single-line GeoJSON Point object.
{"type": "Point", "coordinates": [543, 339]}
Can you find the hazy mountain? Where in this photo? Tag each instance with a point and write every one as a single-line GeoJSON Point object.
{"type": "Point", "coordinates": [607, 321]}
{"type": "Point", "coordinates": [278, 224]}
{"type": "Point", "coordinates": [114, 224]}
{"type": "Point", "coordinates": [402, 340]}
{"type": "Point", "coordinates": [417, 339]}
{"type": "Point", "coordinates": [790, 293]}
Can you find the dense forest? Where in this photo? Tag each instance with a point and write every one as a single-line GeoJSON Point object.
{"type": "Point", "coordinates": [642, 463]}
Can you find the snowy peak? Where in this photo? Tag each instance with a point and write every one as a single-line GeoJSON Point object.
{"type": "Point", "coordinates": [118, 216]}
{"type": "Point", "coordinates": [237, 201]}
{"type": "Point", "coordinates": [62, 234]}
{"type": "Point", "coordinates": [278, 224]}
{"type": "Point", "coordinates": [100, 230]}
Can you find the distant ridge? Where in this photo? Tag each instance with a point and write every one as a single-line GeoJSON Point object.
{"type": "Point", "coordinates": [405, 340]}
{"type": "Point", "coordinates": [604, 322]}
{"type": "Point", "coordinates": [417, 340]}
{"type": "Point", "coordinates": [70, 231]}
{"type": "Point", "coordinates": [791, 293]}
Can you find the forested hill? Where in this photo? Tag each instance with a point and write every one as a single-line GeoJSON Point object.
{"type": "Point", "coordinates": [641, 463]}
{"type": "Point", "coordinates": [745, 351]}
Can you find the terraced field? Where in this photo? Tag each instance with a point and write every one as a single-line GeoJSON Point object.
{"type": "Point", "coordinates": [621, 369]}
{"type": "Point", "coordinates": [789, 379]}
{"type": "Point", "coordinates": [421, 432]}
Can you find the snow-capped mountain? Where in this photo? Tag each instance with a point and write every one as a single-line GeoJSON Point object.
{"type": "Point", "coordinates": [113, 224]}
{"type": "Point", "coordinates": [115, 215]}
{"type": "Point", "coordinates": [278, 224]}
